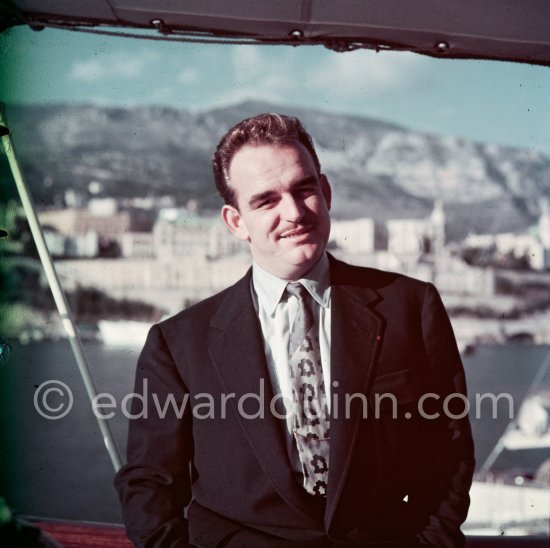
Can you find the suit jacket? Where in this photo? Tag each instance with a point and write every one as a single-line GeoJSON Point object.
{"type": "Point", "coordinates": [400, 468]}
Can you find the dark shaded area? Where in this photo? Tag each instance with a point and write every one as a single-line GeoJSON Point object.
{"type": "Point", "coordinates": [60, 468]}
{"type": "Point", "coordinates": [88, 304]}
{"type": "Point", "coordinates": [486, 30]}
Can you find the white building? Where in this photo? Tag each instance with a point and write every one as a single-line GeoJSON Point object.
{"type": "Point", "coordinates": [409, 239]}
{"type": "Point", "coordinates": [353, 236]}
{"type": "Point", "coordinates": [452, 275]}
{"type": "Point", "coordinates": [77, 222]}
{"type": "Point", "coordinates": [180, 233]}
{"type": "Point", "coordinates": [534, 244]}
{"type": "Point", "coordinates": [55, 242]}
{"type": "Point", "coordinates": [137, 245]}
{"type": "Point", "coordinates": [163, 283]}
{"type": "Point", "coordinates": [544, 224]}
{"type": "Point", "coordinates": [222, 242]}
{"type": "Point", "coordinates": [526, 245]}
{"type": "Point", "coordinates": [437, 228]}
{"type": "Point", "coordinates": [83, 245]}
{"type": "Point", "coordinates": [102, 207]}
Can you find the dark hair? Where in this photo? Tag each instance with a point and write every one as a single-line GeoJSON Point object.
{"type": "Point", "coordinates": [263, 129]}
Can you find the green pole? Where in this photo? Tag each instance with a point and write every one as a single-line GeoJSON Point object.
{"type": "Point", "coordinates": [57, 291]}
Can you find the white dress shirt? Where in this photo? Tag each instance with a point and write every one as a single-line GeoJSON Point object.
{"type": "Point", "coordinates": [277, 311]}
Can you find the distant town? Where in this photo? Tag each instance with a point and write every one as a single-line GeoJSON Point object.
{"type": "Point", "coordinates": [154, 252]}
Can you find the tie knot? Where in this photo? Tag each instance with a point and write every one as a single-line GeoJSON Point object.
{"type": "Point", "coordinates": [297, 289]}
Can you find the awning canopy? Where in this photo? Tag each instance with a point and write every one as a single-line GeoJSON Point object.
{"type": "Point", "coordinates": [513, 30]}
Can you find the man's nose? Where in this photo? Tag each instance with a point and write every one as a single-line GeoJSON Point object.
{"type": "Point", "coordinates": [292, 209]}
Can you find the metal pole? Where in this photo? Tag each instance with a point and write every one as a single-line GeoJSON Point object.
{"type": "Point", "coordinates": [57, 291]}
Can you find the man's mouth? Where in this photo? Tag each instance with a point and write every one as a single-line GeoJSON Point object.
{"type": "Point", "coordinates": [295, 232]}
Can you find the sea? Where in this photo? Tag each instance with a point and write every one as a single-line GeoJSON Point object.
{"type": "Point", "coordinates": [61, 469]}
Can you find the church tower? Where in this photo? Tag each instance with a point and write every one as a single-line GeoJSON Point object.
{"type": "Point", "coordinates": [437, 228]}
{"type": "Point", "coordinates": [544, 223]}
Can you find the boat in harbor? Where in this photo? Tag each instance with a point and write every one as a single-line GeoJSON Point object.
{"type": "Point", "coordinates": [123, 332]}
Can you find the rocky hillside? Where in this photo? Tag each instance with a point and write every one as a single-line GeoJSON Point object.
{"type": "Point", "coordinates": [377, 169]}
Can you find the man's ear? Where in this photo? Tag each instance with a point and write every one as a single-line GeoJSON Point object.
{"type": "Point", "coordinates": [327, 191]}
{"type": "Point", "coordinates": [234, 222]}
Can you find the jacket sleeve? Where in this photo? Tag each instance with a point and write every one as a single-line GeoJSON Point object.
{"type": "Point", "coordinates": [449, 507]}
{"type": "Point", "coordinates": [154, 485]}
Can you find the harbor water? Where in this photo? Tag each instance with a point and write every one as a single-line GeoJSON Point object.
{"type": "Point", "coordinates": [60, 468]}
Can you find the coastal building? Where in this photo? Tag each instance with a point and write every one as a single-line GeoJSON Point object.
{"type": "Point", "coordinates": [526, 246]}
{"type": "Point", "coordinates": [544, 234]}
{"type": "Point", "coordinates": [102, 216]}
{"type": "Point", "coordinates": [450, 274]}
{"type": "Point", "coordinates": [453, 275]}
{"type": "Point", "coordinates": [55, 241]}
{"type": "Point", "coordinates": [437, 228]}
{"type": "Point", "coordinates": [164, 283]}
{"type": "Point", "coordinates": [179, 232]}
{"type": "Point", "coordinates": [410, 239]}
{"type": "Point", "coordinates": [353, 236]}
{"type": "Point", "coordinates": [136, 245]}
{"type": "Point", "coordinates": [79, 221]}
{"type": "Point", "coordinates": [60, 245]}
{"type": "Point", "coordinates": [544, 223]}
{"type": "Point", "coordinates": [533, 245]}
{"type": "Point", "coordinates": [222, 242]}
{"type": "Point", "coordinates": [83, 245]}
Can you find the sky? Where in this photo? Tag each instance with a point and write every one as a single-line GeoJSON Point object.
{"type": "Point", "coordinates": [486, 101]}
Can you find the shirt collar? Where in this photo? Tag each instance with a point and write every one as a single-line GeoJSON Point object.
{"type": "Point", "coordinates": [270, 289]}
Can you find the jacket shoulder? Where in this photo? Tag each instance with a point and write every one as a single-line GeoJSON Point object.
{"type": "Point", "coordinates": [379, 280]}
{"type": "Point", "coordinates": [197, 317]}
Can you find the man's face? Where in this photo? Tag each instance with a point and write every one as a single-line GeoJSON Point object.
{"type": "Point", "coordinates": [283, 207]}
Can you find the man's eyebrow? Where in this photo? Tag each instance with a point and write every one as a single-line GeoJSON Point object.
{"type": "Point", "coordinates": [256, 198]}
{"type": "Point", "coordinates": [306, 181]}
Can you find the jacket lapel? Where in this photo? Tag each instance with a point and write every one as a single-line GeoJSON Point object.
{"type": "Point", "coordinates": [237, 352]}
{"type": "Point", "coordinates": [356, 334]}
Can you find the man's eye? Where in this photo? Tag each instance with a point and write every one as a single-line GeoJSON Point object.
{"type": "Point", "coordinates": [265, 203]}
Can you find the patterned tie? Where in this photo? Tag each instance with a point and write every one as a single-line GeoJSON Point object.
{"type": "Point", "coordinates": [311, 430]}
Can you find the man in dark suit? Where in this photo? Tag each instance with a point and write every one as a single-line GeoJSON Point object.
{"type": "Point", "coordinates": [356, 436]}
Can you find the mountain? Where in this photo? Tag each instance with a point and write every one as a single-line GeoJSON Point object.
{"type": "Point", "coordinates": [377, 169]}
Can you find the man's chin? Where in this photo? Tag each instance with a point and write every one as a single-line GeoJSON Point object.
{"type": "Point", "coordinates": [304, 257]}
